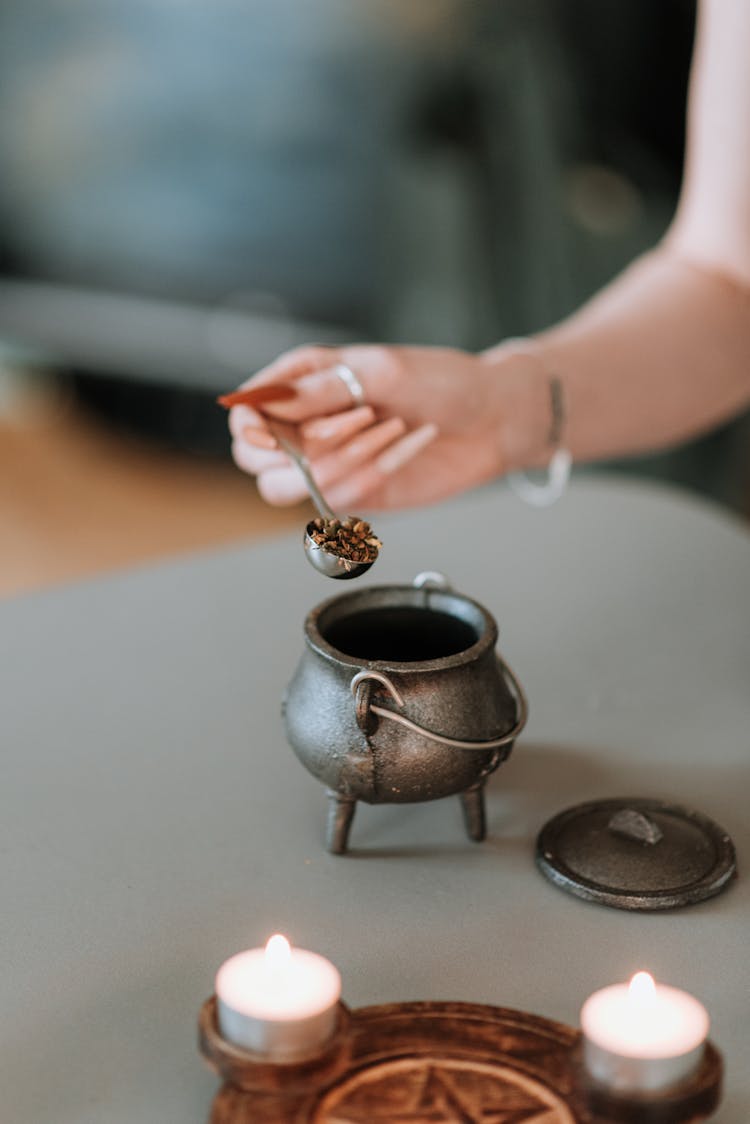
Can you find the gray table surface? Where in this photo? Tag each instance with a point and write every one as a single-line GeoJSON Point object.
{"type": "Point", "coordinates": [153, 820]}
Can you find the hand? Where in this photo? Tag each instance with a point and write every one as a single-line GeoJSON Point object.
{"type": "Point", "coordinates": [436, 421]}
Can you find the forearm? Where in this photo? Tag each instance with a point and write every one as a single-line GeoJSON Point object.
{"type": "Point", "coordinates": [663, 353]}
{"type": "Point", "coordinates": [659, 356]}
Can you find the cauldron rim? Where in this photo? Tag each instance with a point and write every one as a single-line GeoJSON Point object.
{"type": "Point", "coordinates": [408, 596]}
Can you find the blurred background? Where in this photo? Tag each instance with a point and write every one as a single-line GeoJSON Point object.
{"type": "Point", "coordinates": [189, 188]}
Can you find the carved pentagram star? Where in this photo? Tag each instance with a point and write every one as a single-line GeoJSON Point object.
{"type": "Point", "coordinates": [439, 1100]}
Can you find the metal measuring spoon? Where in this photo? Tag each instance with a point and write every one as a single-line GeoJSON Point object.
{"type": "Point", "coordinates": [320, 555]}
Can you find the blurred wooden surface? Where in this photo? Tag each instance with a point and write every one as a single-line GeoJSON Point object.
{"type": "Point", "coordinates": [77, 499]}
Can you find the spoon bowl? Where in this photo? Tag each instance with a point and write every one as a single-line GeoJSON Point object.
{"type": "Point", "coordinates": [327, 562]}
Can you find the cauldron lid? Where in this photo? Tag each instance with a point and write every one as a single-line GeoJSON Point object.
{"type": "Point", "coordinates": [636, 853]}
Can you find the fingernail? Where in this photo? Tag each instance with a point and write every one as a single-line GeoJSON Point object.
{"type": "Point", "coordinates": [260, 438]}
{"type": "Point", "coordinates": [257, 395]}
{"type": "Point", "coordinates": [405, 449]}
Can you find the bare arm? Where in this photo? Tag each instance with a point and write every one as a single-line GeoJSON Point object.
{"type": "Point", "coordinates": [658, 356]}
{"type": "Point", "coordinates": [663, 353]}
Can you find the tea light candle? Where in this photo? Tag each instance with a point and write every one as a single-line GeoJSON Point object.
{"type": "Point", "coordinates": [279, 1002]}
{"type": "Point", "coordinates": [642, 1037]}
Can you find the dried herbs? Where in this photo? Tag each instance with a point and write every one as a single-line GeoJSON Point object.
{"type": "Point", "coordinates": [350, 539]}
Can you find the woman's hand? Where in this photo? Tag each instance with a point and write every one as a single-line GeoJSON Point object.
{"type": "Point", "coordinates": [435, 421]}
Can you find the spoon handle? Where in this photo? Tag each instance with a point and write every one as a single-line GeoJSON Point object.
{"type": "Point", "coordinates": [283, 435]}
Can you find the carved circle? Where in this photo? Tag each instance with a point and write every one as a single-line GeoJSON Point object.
{"type": "Point", "coordinates": [441, 1090]}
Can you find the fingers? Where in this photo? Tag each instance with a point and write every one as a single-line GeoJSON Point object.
{"type": "Point", "coordinates": [242, 418]}
{"type": "Point", "coordinates": [336, 428]}
{"type": "Point", "coordinates": [316, 398]}
{"type": "Point", "coordinates": [257, 461]}
{"type": "Point", "coordinates": [313, 395]}
{"type": "Point", "coordinates": [361, 449]}
{"type": "Point", "coordinates": [351, 453]}
{"type": "Point", "coordinates": [356, 486]}
{"type": "Point", "coordinates": [259, 438]}
{"type": "Point", "coordinates": [319, 389]}
{"type": "Point", "coordinates": [347, 475]}
{"type": "Point", "coordinates": [260, 391]}
{"type": "Point", "coordinates": [406, 449]}
{"type": "Point", "coordinates": [246, 424]}
{"type": "Point", "coordinates": [326, 468]}
{"type": "Point", "coordinates": [318, 394]}
{"type": "Point", "coordinates": [282, 486]}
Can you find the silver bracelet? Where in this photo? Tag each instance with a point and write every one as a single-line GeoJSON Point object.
{"type": "Point", "coordinates": [561, 462]}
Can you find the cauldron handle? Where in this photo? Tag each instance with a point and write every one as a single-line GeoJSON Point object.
{"type": "Point", "coordinates": [456, 743]}
{"type": "Point", "coordinates": [432, 579]}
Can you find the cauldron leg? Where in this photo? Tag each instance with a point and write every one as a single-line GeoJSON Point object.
{"type": "Point", "coordinates": [472, 802]}
{"type": "Point", "coordinates": [341, 811]}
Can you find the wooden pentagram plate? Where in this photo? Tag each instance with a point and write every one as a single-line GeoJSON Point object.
{"type": "Point", "coordinates": [453, 1063]}
{"type": "Point", "coordinates": [440, 1063]}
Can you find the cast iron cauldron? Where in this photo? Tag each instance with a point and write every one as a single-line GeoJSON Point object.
{"type": "Point", "coordinates": [400, 697]}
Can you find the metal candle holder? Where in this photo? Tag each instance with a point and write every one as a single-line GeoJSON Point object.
{"type": "Point", "coordinates": [443, 1062]}
{"type": "Point", "coordinates": [400, 697]}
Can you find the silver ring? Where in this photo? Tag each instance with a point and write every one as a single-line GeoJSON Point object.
{"type": "Point", "coordinates": [351, 382]}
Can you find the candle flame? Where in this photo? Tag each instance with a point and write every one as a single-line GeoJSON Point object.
{"type": "Point", "coordinates": [642, 987]}
{"type": "Point", "coordinates": [278, 953]}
